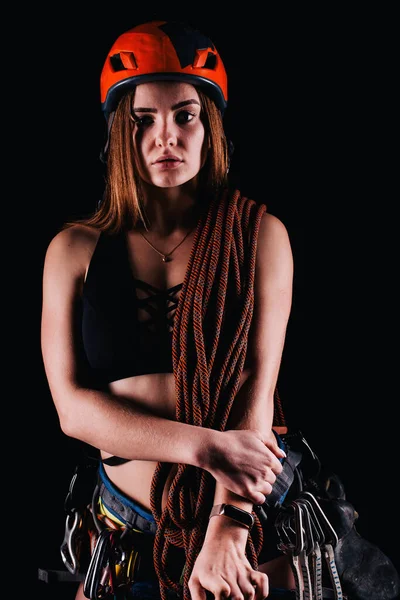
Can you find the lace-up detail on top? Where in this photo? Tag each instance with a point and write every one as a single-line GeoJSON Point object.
{"type": "Point", "coordinates": [156, 308]}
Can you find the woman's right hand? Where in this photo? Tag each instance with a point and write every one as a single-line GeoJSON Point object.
{"type": "Point", "coordinates": [245, 462]}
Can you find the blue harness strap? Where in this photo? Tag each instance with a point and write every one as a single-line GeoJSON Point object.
{"type": "Point", "coordinates": [283, 481]}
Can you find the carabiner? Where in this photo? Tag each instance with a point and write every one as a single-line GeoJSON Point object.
{"type": "Point", "coordinates": [67, 548]}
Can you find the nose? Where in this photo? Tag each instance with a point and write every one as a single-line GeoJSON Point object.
{"type": "Point", "coordinates": [166, 135]}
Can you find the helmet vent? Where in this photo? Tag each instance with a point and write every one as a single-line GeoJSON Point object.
{"type": "Point", "coordinates": [123, 61]}
{"type": "Point", "coordinates": [211, 61]}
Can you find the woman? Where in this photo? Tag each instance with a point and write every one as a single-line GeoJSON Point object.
{"type": "Point", "coordinates": [163, 324]}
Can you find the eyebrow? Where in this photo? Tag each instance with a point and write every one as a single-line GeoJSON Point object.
{"type": "Point", "coordinates": [173, 107]}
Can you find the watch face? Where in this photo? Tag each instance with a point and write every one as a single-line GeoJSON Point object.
{"type": "Point", "coordinates": [239, 515]}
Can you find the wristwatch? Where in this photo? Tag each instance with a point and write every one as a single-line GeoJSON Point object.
{"type": "Point", "coordinates": [233, 512]}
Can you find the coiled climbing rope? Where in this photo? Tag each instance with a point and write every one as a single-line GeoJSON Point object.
{"type": "Point", "coordinates": [209, 344]}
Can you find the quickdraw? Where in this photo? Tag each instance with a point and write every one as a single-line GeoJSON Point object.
{"type": "Point", "coordinates": [306, 535]}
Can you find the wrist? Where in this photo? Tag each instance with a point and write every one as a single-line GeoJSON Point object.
{"type": "Point", "coordinates": [242, 517]}
{"type": "Point", "coordinates": [224, 528]}
{"type": "Point", "coordinates": [206, 448]}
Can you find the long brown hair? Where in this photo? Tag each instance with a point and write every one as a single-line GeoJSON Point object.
{"type": "Point", "coordinates": [122, 207]}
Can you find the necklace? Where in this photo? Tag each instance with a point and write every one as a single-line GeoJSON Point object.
{"type": "Point", "coordinates": [166, 257]}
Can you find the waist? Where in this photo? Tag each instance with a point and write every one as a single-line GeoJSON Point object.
{"type": "Point", "coordinates": [134, 479]}
{"type": "Point", "coordinates": [118, 510]}
{"type": "Point", "coordinates": [121, 508]}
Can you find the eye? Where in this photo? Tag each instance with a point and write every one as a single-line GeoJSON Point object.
{"type": "Point", "coordinates": [184, 116]}
{"type": "Point", "coordinates": [142, 121]}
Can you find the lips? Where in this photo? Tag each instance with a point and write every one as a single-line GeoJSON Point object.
{"type": "Point", "coordinates": [167, 158]}
{"type": "Point", "coordinates": [166, 162]}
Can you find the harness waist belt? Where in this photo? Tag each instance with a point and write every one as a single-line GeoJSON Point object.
{"type": "Point", "coordinates": [125, 513]}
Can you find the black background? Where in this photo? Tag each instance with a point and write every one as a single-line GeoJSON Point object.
{"type": "Point", "coordinates": [303, 87]}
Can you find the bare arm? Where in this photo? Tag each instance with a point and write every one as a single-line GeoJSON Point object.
{"type": "Point", "coordinates": [115, 423]}
{"type": "Point", "coordinates": [252, 410]}
{"type": "Point", "coordinates": [106, 421]}
{"type": "Point", "coordinates": [253, 407]}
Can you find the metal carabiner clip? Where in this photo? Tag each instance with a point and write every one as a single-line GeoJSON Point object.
{"type": "Point", "coordinates": [100, 576]}
{"type": "Point", "coordinates": [67, 549]}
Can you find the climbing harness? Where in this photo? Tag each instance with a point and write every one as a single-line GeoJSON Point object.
{"type": "Point", "coordinates": [107, 544]}
{"type": "Point", "coordinates": [313, 520]}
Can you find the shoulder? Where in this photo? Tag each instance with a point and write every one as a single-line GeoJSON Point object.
{"type": "Point", "coordinates": [75, 238]}
{"type": "Point", "coordinates": [274, 251]}
{"type": "Point", "coordinates": [272, 230]}
{"type": "Point", "coordinates": [72, 247]}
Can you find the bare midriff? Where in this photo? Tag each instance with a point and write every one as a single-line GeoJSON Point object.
{"type": "Point", "coordinates": [156, 392]}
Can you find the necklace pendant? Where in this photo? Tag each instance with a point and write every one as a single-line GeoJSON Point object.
{"type": "Point", "coordinates": [165, 257]}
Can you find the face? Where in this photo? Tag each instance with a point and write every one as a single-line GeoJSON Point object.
{"type": "Point", "coordinates": [168, 134]}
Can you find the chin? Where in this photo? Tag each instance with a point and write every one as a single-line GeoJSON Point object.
{"type": "Point", "coordinates": [170, 182]}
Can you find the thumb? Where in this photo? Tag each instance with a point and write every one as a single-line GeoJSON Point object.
{"type": "Point", "coordinates": [271, 442]}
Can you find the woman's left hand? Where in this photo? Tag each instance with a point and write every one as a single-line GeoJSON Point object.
{"type": "Point", "coordinates": [222, 567]}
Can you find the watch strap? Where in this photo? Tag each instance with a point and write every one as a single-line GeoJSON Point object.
{"type": "Point", "coordinates": [233, 512]}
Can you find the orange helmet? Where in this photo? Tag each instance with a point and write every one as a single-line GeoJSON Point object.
{"type": "Point", "coordinates": [162, 51]}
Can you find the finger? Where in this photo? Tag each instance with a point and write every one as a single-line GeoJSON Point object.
{"type": "Point", "coordinates": [223, 594]}
{"type": "Point", "coordinates": [236, 592]}
{"type": "Point", "coordinates": [270, 477]}
{"type": "Point", "coordinates": [272, 444]}
{"type": "Point", "coordinates": [220, 589]}
{"type": "Point", "coordinates": [197, 592]}
{"type": "Point", "coordinates": [261, 585]}
{"type": "Point", "coordinates": [279, 452]}
{"type": "Point", "coordinates": [257, 498]}
{"type": "Point", "coordinates": [276, 465]}
{"type": "Point", "coordinates": [247, 587]}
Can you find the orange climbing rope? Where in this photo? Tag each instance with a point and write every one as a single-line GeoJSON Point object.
{"type": "Point", "coordinates": [209, 346]}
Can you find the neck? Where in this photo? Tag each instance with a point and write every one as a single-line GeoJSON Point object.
{"type": "Point", "coordinates": [170, 209]}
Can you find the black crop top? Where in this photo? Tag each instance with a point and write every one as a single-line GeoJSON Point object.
{"type": "Point", "coordinates": [116, 343]}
